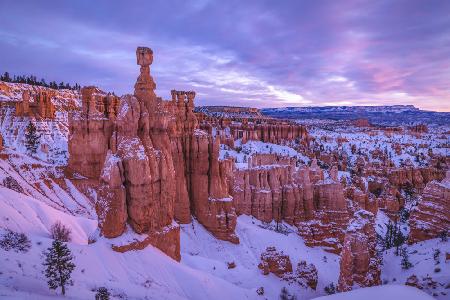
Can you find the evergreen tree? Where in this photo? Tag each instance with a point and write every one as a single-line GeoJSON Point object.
{"type": "Point", "coordinates": [330, 289]}
{"type": "Point", "coordinates": [406, 264]}
{"type": "Point", "coordinates": [388, 240]}
{"type": "Point", "coordinates": [443, 236]}
{"type": "Point", "coordinates": [399, 238]}
{"type": "Point", "coordinates": [394, 236]}
{"type": "Point", "coordinates": [32, 138]}
{"type": "Point", "coordinates": [59, 266]}
{"type": "Point", "coordinates": [102, 294]}
{"type": "Point", "coordinates": [284, 295]}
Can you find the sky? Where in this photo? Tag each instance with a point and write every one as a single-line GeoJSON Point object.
{"type": "Point", "coordinates": [263, 53]}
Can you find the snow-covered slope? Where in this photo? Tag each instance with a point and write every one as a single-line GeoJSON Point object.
{"type": "Point", "coordinates": [146, 274]}
{"type": "Point", "coordinates": [54, 132]}
{"type": "Point", "coordinates": [45, 182]}
{"type": "Point", "coordinates": [202, 251]}
{"type": "Point", "coordinates": [386, 292]}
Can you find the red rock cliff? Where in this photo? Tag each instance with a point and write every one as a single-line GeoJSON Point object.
{"type": "Point", "coordinates": [431, 217]}
{"type": "Point", "coordinates": [359, 262]}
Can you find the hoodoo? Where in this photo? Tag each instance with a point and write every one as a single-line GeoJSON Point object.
{"type": "Point", "coordinates": [153, 164]}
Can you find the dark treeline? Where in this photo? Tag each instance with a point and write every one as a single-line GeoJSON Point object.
{"type": "Point", "coordinates": [34, 81]}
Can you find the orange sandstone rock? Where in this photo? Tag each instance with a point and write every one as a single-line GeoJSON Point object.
{"type": "Point", "coordinates": [275, 262]}
{"type": "Point", "coordinates": [359, 262]}
{"type": "Point", "coordinates": [431, 217]}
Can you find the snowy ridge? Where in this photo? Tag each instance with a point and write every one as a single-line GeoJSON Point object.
{"type": "Point", "coordinates": [380, 292]}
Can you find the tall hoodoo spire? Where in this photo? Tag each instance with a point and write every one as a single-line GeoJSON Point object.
{"type": "Point", "coordinates": [144, 89]}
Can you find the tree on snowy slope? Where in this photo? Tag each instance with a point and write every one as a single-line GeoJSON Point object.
{"type": "Point", "coordinates": [284, 295]}
{"type": "Point", "coordinates": [32, 138]}
{"type": "Point", "coordinates": [394, 236]}
{"type": "Point", "coordinates": [406, 264]}
{"type": "Point", "coordinates": [102, 294]}
{"type": "Point", "coordinates": [59, 266]}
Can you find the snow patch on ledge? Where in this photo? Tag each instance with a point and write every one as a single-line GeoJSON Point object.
{"type": "Point", "coordinates": [225, 199]}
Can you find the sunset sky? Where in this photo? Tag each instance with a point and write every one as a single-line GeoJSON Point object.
{"type": "Point", "coordinates": [246, 53]}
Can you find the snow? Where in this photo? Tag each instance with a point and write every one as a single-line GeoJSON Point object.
{"type": "Point", "coordinates": [414, 149]}
{"type": "Point", "coordinates": [250, 148]}
{"type": "Point", "coordinates": [202, 251]}
{"type": "Point", "coordinates": [54, 132]}
{"type": "Point", "coordinates": [25, 214]}
{"type": "Point", "coordinates": [203, 272]}
{"type": "Point", "coordinates": [380, 292]}
{"type": "Point", "coordinates": [46, 183]}
{"type": "Point", "coordinates": [149, 274]}
{"type": "Point", "coordinates": [421, 255]}
{"type": "Point", "coordinates": [146, 274]}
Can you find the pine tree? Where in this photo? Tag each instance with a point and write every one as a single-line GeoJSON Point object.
{"type": "Point", "coordinates": [59, 266]}
{"type": "Point", "coordinates": [399, 238]}
{"type": "Point", "coordinates": [31, 138]}
{"type": "Point", "coordinates": [284, 295]}
{"type": "Point", "coordinates": [388, 240]}
{"type": "Point", "coordinates": [406, 264]}
{"type": "Point", "coordinates": [6, 77]}
{"type": "Point", "coordinates": [330, 289]}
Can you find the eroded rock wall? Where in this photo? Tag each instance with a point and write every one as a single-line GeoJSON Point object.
{"type": "Point", "coordinates": [359, 265]}
{"type": "Point", "coordinates": [431, 217]}
{"type": "Point", "coordinates": [286, 193]}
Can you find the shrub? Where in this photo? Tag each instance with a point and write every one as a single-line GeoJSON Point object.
{"type": "Point", "coordinates": [15, 240]}
{"type": "Point", "coordinates": [12, 184]}
{"type": "Point", "coordinates": [436, 255]}
{"type": "Point", "coordinates": [330, 289]}
{"type": "Point", "coordinates": [443, 236]}
{"type": "Point", "coordinates": [102, 294]}
{"type": "Point", "coordinates": [260, 291]}
{"type": "Point", "coordinates": [60, 232]}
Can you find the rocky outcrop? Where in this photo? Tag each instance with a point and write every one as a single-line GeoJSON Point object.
{"type": "Point", "coordinates": [416, 177]}
{"type": "Point", "coordinates": [414, 282]}
{"type": "Point", "coordinates": [361, 200]}
{"type": "Point", "coordinates": [251, 128]}
{"type": "Point", "coordinates": [153, 164]}
{"type": "Point", "coordinates": [329, 219]}
{"type": "Point", "coordinates": [282, 192]}
{"type": "Point", "coordinates": [41, 107]}
{"type": "Point", "coordinates": [306, 275]}
{"type": "Point", "coordinates": [167, 240]}
{"type": "Point", "coordinates": [88, 145]}
{"type": "Point", "coordinates": [275, 262]}
{"type": "Point", "coordinates": [89, 136]}
{"type": "Point", "coordinates": [359, 263]}
{"type": "Point", "coordinates": [97, 103]}
{"type": "Point", "coordinates": [420, 128]}
{"type": "Point", "coordinates": [267, 193]}
{"type": "Point", "coordinates": [111, 203]}
{"type": "Point", "coordinates": [431, 217]}
{"type": "Point", "coordinates": [209, 187]}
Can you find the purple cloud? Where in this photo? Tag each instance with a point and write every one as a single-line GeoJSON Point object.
{"type": "Point", "coordinates": [252, 53]}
